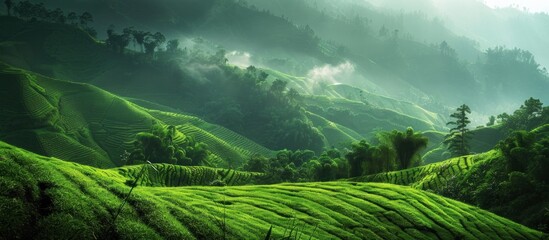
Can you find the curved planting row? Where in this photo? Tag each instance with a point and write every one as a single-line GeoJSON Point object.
{"type": "Point", "coordinates": [216, 145]}
{"type": "Point", "coordinates": [432, 176]}
{"type": "Point", "coordinates": [244, 145]}
{"type": "Point", "coordinates": [168, 175]}
{"type": "Point", "coordinates": [66, 199]}
{"type": "Point", "coordinates": [22, 101]}
{"type": "Point", "coordinates": [61, 146]}
{"type": "Point", "coordinates": [334, 133]}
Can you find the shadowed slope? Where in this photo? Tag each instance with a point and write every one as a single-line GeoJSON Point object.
{"type": "Point", "coordinates": [82, 123]}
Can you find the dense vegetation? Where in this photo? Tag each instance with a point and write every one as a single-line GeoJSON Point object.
{"type": "Point", "coordinates": [515, 180]}
{"type": "Point", "coordinates": [46, 197]}
{"type": "Point", "coordinates": [506, 179]}
{"type": "Point", "coordinates": [300, 101]}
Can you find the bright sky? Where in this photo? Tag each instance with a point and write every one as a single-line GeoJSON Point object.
{"type": "Point", "coordinates": [531, 5]}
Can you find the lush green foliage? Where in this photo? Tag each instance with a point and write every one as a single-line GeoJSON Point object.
{"type": "Point", "coordinates": [158, 146]}
{"type": "Point", "coordinates": [37, 11]}
{"type": "Point", "coordinates": [396, 150]}
{"type": "Point", "coordinates": [512, 177]}
{"type": "Point", "coordinates": [84, 124]}
{"type": "Point", "coordinates": [458, 139]}
{"type": "Point", "coordinates": [300, 166]}
{"type": "Point", "coordinates": [406, 146]}
{"type": "Point", "coordinates": [530, 115]}
{"type": "Point", "coordinates": [45, 198]}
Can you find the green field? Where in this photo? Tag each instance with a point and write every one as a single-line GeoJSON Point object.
{"type": "Point", "coordinates": [46, 197]}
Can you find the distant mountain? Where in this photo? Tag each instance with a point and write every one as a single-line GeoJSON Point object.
{"type": "Point", "coordinates": [205, 89]}
{"type": "Point", "coordinates": [428, 54]}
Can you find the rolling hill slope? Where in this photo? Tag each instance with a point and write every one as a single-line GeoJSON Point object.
{"type": "Point", "coordinates": [432, 176]}
{"type": "Point", "coordinates": [489, 180]}
{"type": "Point", "coordinates": [84, 124]}
{"type": "Point", "coordinates": [45, 197]}
{"type": "Point", "coordinates": [64, 52]}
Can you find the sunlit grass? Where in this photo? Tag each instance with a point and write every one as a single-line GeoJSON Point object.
{"type": "Point", "coordinates": [61, 193]}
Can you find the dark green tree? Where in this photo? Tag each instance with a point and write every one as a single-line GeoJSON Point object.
{"type": "Point", "coordinates": [406, 146]}
{"type": "Point", "coordinates": [139, 37]}
{"type": "Point", "coordinates": [361, 152]}
{"type": "Point", "coordinates": [172, 46]}
{"type": "Point", "coordinates": [387, 156]}
{"type": "Point", "coordinates": [153, 41]}
{"type": "Point", "coordinates": [491, 121]}
{"type": "Point", "coordinates": [458, 139]}
{"type": "Point", "coordinates": [57, 16]}
{"type": "Point", "coordinates": [118, 42]}
{"type": "Point", "coordinates": [530, 115]}
{"type": "Point", "coordinates": [72, 18]}
{"type": "Point", "coordinates": [85, 18]}
{"type": "Point", "coordinates": [327, 170]}
{"type": "Point", "coordinates": [9, 5]}
{"type": "Point", "coordinates": [278, 87]}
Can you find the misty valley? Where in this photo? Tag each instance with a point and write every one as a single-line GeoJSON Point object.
{"type": "Point", "coordinates": [274, 119]}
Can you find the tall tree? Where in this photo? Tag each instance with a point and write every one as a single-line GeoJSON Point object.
{"type": "Point", "coordinates": [72, 18]}
{"type": "Point", "coordinates": [152, 42]}
{"type": "Point", "coordinates": [9, 4]}
{"type": "Point", "coordinates": [172, 46]}
{"type": "Point", "coordinates": [85, 18]}
{"type": "Point", "coordinates": [139, 37]}
{"type": "Point", "coordinates": [361, 152]}
{"type": "Point", "coordinates": [406, 146]}
{"type": "Point", "coordinates": [458, 138]}
{"type": "Point", "coordinates": [491, 121]}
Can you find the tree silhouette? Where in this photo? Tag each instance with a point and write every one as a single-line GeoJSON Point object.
{"type": "Point", "coordinates": [118, 42]}
{"type": "Point", "coordinates": [458, 138]}
{"type": "Point", "coordinates": [56, 16]}
{"type": "Point", "coordinates": [72, 18]}
{"type": "Point", "coordinates": [406, 146]}
{"type": "Point", "coordinates": [360, 153]}
{"type": "Point", "coordinates": [9, 5]}
{"type": "Point", "coordinates": [85, 18]}
{"type": "Point", "coordinates": [491, 121]}
{"type": "Point", "coordinates": [278, 87]}
{"type": "Point", "coordinates": [139, 37]}
{"type": "Point", "coordinates": [530, 115]}
{"type": "Point", "coordinates": [151, 42]}
{"type": "Point", "coordinates": [172, 46]}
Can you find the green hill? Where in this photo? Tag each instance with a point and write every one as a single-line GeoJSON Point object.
{"type": "Point", "coordinates": [58, 51]}
{"type": "Point", "coordinates": [502, 180]}
{"type": "Point", "coordinates": [84, 124]}
{"type": "Point", "coordinates": [45, 197]}
{"type": "Point", "coordinates": [167, 175]}
{"type": "Point", "coordinates": [361, 117]}
{"type": "Point", "coordinates": [431, 176]}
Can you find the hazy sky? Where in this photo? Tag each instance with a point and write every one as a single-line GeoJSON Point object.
{"type": "Point", "coordinates": [532, 5]}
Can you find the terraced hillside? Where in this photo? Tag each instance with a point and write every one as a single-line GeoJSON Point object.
{"type": "Point", "coordinates": [375, 103]}
{"type": "Point", "coordinates": [363, 118]}
{"type": "Point", "coordinates": [84, 124]}
{"type": "Point", "coordinates": [220, 140]}
{"type": "Point", "coordinates": [44, 197]}
{"type": "Point", "coordinates": [432, 176]}
{"type": "Point", "coordinates": [167, 175]}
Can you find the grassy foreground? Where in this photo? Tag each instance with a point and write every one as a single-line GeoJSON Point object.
{"type": "Point", "coordinates": [43, 198]}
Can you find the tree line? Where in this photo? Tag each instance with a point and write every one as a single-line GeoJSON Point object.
{"type": "Point", "coordinates": [396, 150]}
{"type": "Point", "coordinates": [38, 12]}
